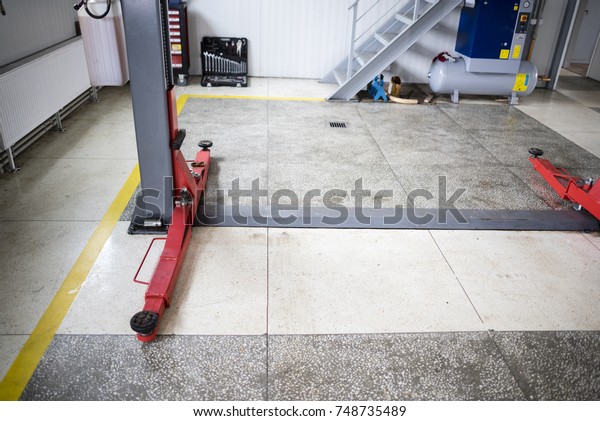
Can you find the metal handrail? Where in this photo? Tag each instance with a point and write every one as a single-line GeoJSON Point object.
{"type": "Point", "coordinates": [356, 19]}
{"type": "Point", "coordinates": [378, 20]}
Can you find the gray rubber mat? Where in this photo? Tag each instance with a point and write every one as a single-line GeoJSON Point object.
{"type": "Point", "coordinates": [471, 160]}
{"type": "Point", "coordinates": [411, 366]}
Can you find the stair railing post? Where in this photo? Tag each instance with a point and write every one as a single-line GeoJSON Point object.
{"type": "Point", "coordinates": [416, 11]}
{"type": "Point", "coordinates": [353, 6]}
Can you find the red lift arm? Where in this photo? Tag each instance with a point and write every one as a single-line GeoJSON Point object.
{"type": "Point", "coordinates": [189, 186]}
{"type": "Point", "coordinates": [583, 193]}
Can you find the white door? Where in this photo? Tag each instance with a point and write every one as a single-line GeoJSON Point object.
{"type": "Point", "coordinates": [588, 33]}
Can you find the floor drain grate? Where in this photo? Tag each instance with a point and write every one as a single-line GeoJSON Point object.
{"type": "Point", "coordinates": [337, 125]}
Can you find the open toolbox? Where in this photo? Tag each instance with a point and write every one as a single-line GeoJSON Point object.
{"type": "Point", "coordinates": [224, 61]}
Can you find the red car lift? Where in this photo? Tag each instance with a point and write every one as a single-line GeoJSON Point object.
{"type": "Point", "coordinates": [171, 187]}
{"type": "Point", "coordinates": [189, 186]}
{"type": "Point", "coordinates": [584, 193]}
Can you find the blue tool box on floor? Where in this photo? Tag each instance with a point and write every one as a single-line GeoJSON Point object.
{"type": "Point", "coordinates": [224, 62]}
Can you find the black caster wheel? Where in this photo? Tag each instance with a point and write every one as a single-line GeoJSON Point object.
{"type": "Point", "coordinates": [144, 322]}
{"type": "Point", "coordinates": [205, 144]}
{"type": "Point", "coordinates": [535, 152]}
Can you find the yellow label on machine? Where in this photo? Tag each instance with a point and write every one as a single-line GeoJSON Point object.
{"type": "Point", "coordinates": [176, 47]}
{"type": "Point", "coordinates": [516, 7]}
{"type": "Point", "coordinates": [504, 54]}
{"type": "Point", "coordinates": [517, 52]}
{"type": "Point", "coordinates": [521, 82]}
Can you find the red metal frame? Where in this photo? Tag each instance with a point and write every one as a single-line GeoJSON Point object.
{"type": "Point", "coordinates": [189, 186]}
{"type": "Point", "coordinates": [569, 187]}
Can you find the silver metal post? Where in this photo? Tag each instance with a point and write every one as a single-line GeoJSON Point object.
{"type": "Point", "coordinates": [95, 94]}
{"type": "Point", "coordinates": [12, 167]}
{"type": "Point", "coordinates": [416, 11]}
{"type": "Point", "coordinates": [352, 39]}
{"type": "Point", "coordinates": [59, 126]}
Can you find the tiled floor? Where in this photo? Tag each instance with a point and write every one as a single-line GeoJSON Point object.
{"type": "Point", "coordinates": [284, 314]}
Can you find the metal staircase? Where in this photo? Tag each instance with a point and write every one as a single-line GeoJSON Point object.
{"type": "Point", "coordinates": [372, 52]}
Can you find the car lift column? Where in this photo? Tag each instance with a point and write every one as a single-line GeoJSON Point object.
{"type": "Point", "coordinates": [150, 74]}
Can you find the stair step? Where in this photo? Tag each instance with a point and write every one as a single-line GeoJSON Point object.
{"type": "Point", "coordinates": [365, 57]}
{"type": "Point", "coordinates": [385, 38]}
{"type": "Point", "coordinates": [404, 19]}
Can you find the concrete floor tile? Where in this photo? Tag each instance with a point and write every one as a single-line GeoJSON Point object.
{"type": "Point", "coordinates": [546, 97]}
{"type": "Point", "coordinates": [527, 280]}
{"type": "Point", "coordinates": [594, 238]}
{"type": "Point", "coordinates": [171, 368]}
{"type": "Point", "coordinates": [554, 366]}
{"type": "Point", "coordinates": [114, 105]}
{"type": "Point", "coordinates": [333, 197]}
{"type": "Point", "coordinates": [501, 117]}
{"type": "Point", "coordinates": [231, 142]}
{"type": "Point", "coordinates": [223, 287]}
{"type": "Point", "coordinates": [386, 117]}
{"type": "Point", "coordinates": [426, 146]}
{"type": "Point", "coordinates": [257, 86]}
{"type": "Point", "coordinates": [588, 141]}
{"type": "Point", "coordinates": [312, 114]}
{"type": "Point", "coordinates": [577, 118]}
{"type": "Point", "coordinates": [10, 346]}
{"type": "Point", "coordinates": [584, 97]}
{"type": "Point", "coordinates": [62, 189]}
{"type": "Point", "coordinates": [577, 83]}
{"type": "Point", "coordinates": [35, 258]}
{"type": "Point", "coordinates": [299, 88]}
{"type": "Point", "coordinates": [316, 288]}
{"type": "Point", "coordinates": [225, 177]}
{"type": "Point", "coordinates": [85, 139]}
{"type": "Point", "coordinates": [213, 296]}
{"type": "Point", "coordinates": [223, 111]}
{"type": "Point", "coordinates": [312, 146]}
{"type": "Point", "coordinates": [109, 297]}
{"type": "Point", "coordinates": [512, 148]}
{"type": "Point", "coordinates": [426, 366]}
{"type": "Point", "coordinates": [320, 176]}
{"type": "Point", "coordinates": [467, 188]}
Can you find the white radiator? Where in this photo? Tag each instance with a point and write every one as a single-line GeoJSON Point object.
{"type": "Point", "coordinates": [34, 89]}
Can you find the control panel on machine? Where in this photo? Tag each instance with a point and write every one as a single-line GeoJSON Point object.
{"type": "Point", "coordinates": [492, 35]}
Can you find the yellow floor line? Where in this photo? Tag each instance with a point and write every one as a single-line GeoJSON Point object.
{"type": "Point", "coordinates": [22, 369]}
{"type": "Point", "coordinates": [256, 98]}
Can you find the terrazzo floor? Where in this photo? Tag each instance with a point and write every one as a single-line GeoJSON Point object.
{"type": "Point", "coordinates": [282, 314]}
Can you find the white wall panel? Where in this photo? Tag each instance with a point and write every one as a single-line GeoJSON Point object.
{"type": "Point", "coordinates": [287, 38]}
{"type": "Point", "coordinates": [33, 25]}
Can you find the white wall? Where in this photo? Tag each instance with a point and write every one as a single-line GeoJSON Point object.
{"type": "Point", "coordinates": [32, 25]}
{"type": "Point", "coordinates": [286, 38]}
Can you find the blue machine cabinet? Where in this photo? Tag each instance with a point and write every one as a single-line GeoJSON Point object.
{"type": "Point", "coordinates": [492, 35]}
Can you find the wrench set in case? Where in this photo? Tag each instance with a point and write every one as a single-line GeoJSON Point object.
{"type": "Point", "coordinates": [224, 62]}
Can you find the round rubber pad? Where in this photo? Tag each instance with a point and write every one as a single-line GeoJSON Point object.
{"type": "Point", "coordinates": [205, 144]}
{"type": "Point", "coordinates": [144, 322]}
{"type": "Point", "coordinates": [536, 152]}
